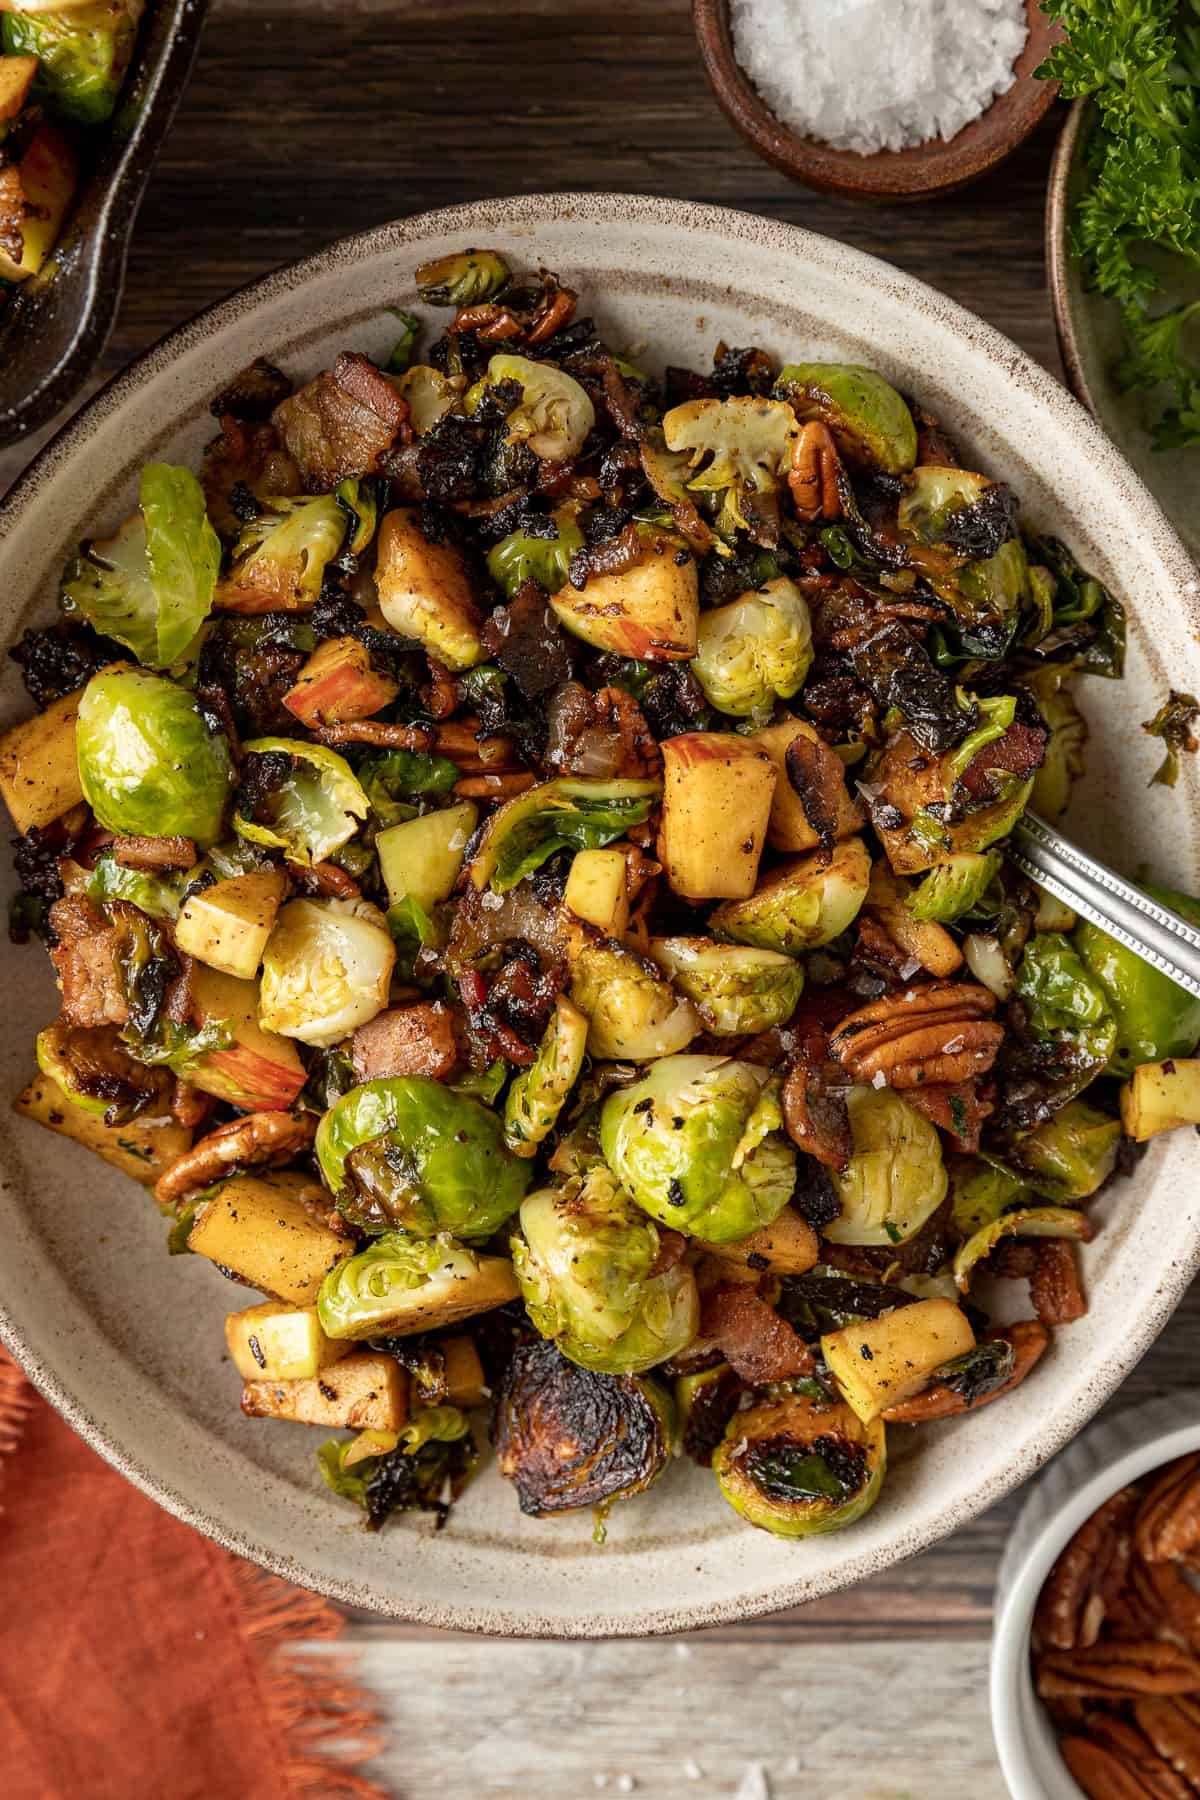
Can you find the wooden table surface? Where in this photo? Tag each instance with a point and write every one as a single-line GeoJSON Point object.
{"type": "Point", "coordinates": [318, 117]}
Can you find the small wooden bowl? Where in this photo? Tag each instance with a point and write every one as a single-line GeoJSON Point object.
{"type": "Point", "coordinates": [936, 167]}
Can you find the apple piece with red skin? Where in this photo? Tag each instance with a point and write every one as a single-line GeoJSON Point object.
{"type": "Point", "coordinates": [717, 794]}
{"type": "Point", "coordinates": [337, 685]}
{"type": "Point", "coordinates": [259, 1071]}
{"type": "Point", "coordinates": [650, 611]}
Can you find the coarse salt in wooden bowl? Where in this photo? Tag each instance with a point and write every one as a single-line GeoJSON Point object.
{"type": "Point", "coordinates": [936, 167]}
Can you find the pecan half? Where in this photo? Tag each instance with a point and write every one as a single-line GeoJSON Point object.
{"type": "Point", "coordinates": [813, 1102]}
{"type": "Point", "coordinates": [1162, 1595]}
{"type": "Point", "coordinates": [1105, 1773]}
{"type": "Point", "coordinates": [1088, 1575]}
{"type": "Point", "coordinates": [813, 477]}
{"type": "Point", "coordinates": [1054, 1286]}
{"type": "Point", "coordinates": [1173, 1727]}
{"type": "Point", "coordinates": [938, 1033]}
{"type": "Point", "coordinates": [1118, 1671]}
{"type": "Point", "coordinates": [264, 1137]}
{"type": "Point", "coordinates": [1028, 1338]}
{"type": "Point", "coordinates": [1168, 1525]}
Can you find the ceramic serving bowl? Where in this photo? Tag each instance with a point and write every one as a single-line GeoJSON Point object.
{"type": "Point", "coordinates": [127, 1342]}
{"type": "Point", "coordinates": [919, 173]}
{"type": "Point", "coordinates": [1106, 1457]}
{"type": "Point", "coordinates": [1092, 341]}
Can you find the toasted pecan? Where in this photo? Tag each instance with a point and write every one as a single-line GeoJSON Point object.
{"type": "Point", "coordinates": [1121, 1670]}
{"type": "Point", "coordinates": [1168, 1525]}
{"type": "Point", "coordinates": [938, 1033]}
{"type": "Point", "coordinates": [1055, 1287]}
{"type": "Point", "coordinates": [263, 1137]}
{"type": "Point", "coordinates": [813, 476]}
{"type": "Point", "coordinates": [1173, 1727]}
{"type": "Point", "coordinates": [1088, 1576]}
{"type": "Point", "coordinates": [1028, 1338]}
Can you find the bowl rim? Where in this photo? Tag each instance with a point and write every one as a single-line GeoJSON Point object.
{"type": "Point", "coordinates": [920, 172]}
{"type": "Point", "coordinates": [1024, 1567]}
{"type": "Point", "coordinates": [697, 220]}
{"type": "Point", "coordinates": [1058, 255]}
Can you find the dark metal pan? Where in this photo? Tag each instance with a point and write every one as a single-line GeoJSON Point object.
{"type": "Point", "coordinates": [53, 330]}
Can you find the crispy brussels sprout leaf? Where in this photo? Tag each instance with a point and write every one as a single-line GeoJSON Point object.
{"type": "Point", "coordinates": [822, 1301]}
{"type": "Point", "coordinates": [698, 1145]}
{"type": "Point", "coordinates": [1087, 622]}
{"type": "Point", "coordinates": [568, 1437]}
{"type": "Point", "coordinates": [159, 895]}
{"type": "Point", "coordinates": [401, 353]}
{"type": "Point", "coordinates": [982, 1371]}
{"type": "Point", "coordinates": [406, 1153]}
{"type": "Point", "coordinates": [150, 762]}
{"type": "Point", "coordinates": [585, 1258]}
{"type": "Point", "coordinates": [280, 557]}
{"type": "Point", "coordinates": [981, 1190]}
{"type": "Point", "coordinates": [359, 495]}
{"type": "Point", "coordinates": [567, 814]}
{"type": "Point", "coordinates": [957, 510]}
{"type": "Point", "coordinates": [1027, 1221]}
{"type": "Point", "coordinates": [399, 1479]}
{"type": "Point", "coordinates": [539, 1093]}
{"type": "Point", "coordinates": [541, 555]}
{"type": "Point", "coordinates": [1063, 762]}
{"type": "Point", "coordinates": [1174, 723]}
{"type": "Point", "coordinates": [754, 651]}
{"type": "Point", "coordinates": [1154, 1017]}
{"type": "Point", "coordinates": [314, 810]}
{"type": "Point", "coordinates": [1064, 1001]}
{"type": "Point", "coordinates": [464, 278]}
{"type": "Point", "coordinates": [871, 423]}
{"type": "Point", "coordinates": [800, 1467]}
{"type": "Point", "coordinates": [895, 1179]}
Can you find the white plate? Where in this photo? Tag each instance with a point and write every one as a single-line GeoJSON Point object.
{"type": "Point", "coordinates": [127, 1343]}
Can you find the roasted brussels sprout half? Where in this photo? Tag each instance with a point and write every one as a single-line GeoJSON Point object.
{"type": "Point", "coordinates": [736, 990]}
{"type": "Point", "coordinates": [631, 1011]}
{"type": "Point", "coordinates": [895, 1179]}
{"type": "Point", "coordinates": [307, 803]}
{"type": "Point", "coordinates": [567, 814]}
{"type": "Point", "coordinates": [151, 584]}
{"type": "Point", "coordinates": [280, 557]}
{"type": "Point", "coordinates": [428, 394]}
{"type": "Point", "coordinates": [400, 1285]}
{"type": "Point", "coordinates": [408, 1154]}
{"type": "Point", "coordinates": [1064, 762]}
{"type": "Point", "coordinates": [920, 814]}
{"type": "Point", "coordinates": [953, 887]}
{"type": "Point", "coordinates": [553, 415]}
{"type": "Point", "coordinates": [84, 52]}
{"type": "Point", "coordinates": [866, 415]}
{"type": "Point", "coordinates": [326, 969]}
{"type": "Point", "coordinates": [150, 761]}
{"type": "Point", "coordinates": [1154, 1017]}
{"type": "Point", "coordinates": [464, 278]}
{"type": "Point", "coordinates": [1065, 1004]}
{"type": "Point", "coordinates": [802, 903]}
{"type": "Point", "coordinates": [704, 1404]}
{"type": "Point", "coordinates": [697, 1143]}
{"type": "Point", "coordinates": [544, 556]}
{"type": "Point", "coordinates": [1069, 1156]}
{"type": "Point", "coordinates": [568, 1437]}
{"type": "Point", "coordinates": [981, 1189]}
{"type": "Point", "coordinates": [755, 651]}
{"type": "Point", "coordinates": [539, 1093]}
{"type": "Point", "coordinates": [957, 510]}
{"type": "Point", "coordinates": [740, 449]}
{"type": "Point", "coordinates": [799, 1467]}
{"type": "Point", "coordinates": [586, 1257]}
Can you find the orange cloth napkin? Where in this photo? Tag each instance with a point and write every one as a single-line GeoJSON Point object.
{"type": "Point", "coordinates": [140, 1662]}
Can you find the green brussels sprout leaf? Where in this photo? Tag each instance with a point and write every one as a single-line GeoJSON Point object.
{"type": "Point", "coordinates": [1027, 1221]}
{"type": "Point", "coordinates": [1155, 1018]}
{"type": "Point", "coordinates": [539, 1093]}
{"type": "Point", "coordinates": [315, 809]}
{"type": "Point", "coordinates": [84, 53]}
{"type": "Point", "coordinates": [1174, 723]}
{"type": "Point", "coordinates": [953, 887]}
{"type": "Point", "coordinates": [1066, 1003]}
{"type": "Point", "coordinates": [464, 278]}
{"type": "Point", "coordinates": [159, 895]}
{"type": "Point", "coordinates": [541, 556]}
{"type": "Point", "coordinates": [567, 814]}
{"type": "Point", "coordinates": [754, 651]}
{"type": "Point", "coordinates": [401, 353]}
{"type": "Point", "coordinates": [1069, 1156]}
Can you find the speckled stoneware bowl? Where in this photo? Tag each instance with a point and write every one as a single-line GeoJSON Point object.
{"type": "Point", "coordinates": [1107, 1457]}
{"type": "Point", "coordinates": [127, 1343]}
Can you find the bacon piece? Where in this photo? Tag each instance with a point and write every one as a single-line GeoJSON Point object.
{"type": "Point", "coordinates": [408, 1040]}
{"type": "Point", "coordinates": [86, 960]}
{"type": "Point", "coordinates": [1020, 751]}
{"type": "Point", "coordinates": [954, 1107]}
{"type": "Point", "coordinates": [755, 1341]}
{"type": "Point", "coordinates": [342, 423]}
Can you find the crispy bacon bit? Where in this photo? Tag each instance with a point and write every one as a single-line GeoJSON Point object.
{"type": "Point", "coordinates": [342, 423]}
{"type": "Point", "coordinates": [245, 455]}
{"type": "Point", "coordinates": [756, 1342]}
{"type": "Point", "coordinates": [376, 731]}
{"type": "Point", "coordinates": [527, 641]}
{"type": "Point", "coordinates": [254, 392]}
{"type": "Point", "coordinates": [154, 852]}
{"type": "Point", "coordinates": [1019, 752]}
{"type": "Point", "coordinates": [408, 1040]}
{"type": "Point", "coordinates": [492, 787]}
{"type": "Point", "coordinates": [441, 694]}
{"type": "Point", "coordinates": [954, 1107]}
{"type": "Point", "coordinates": [325, 879]}
{"type": "Point", "coordinates": [86, 959]}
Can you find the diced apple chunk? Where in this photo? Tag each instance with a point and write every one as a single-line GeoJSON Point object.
{"type": "Point", "coordinates": [338, 685]}
{"type": "Point", "coordinates": [717, 793]}
{"type": "Point", "coordinates": [596, 890]}
{"type": "Point", "coordinates": [48, 172]}
{"type": "Point", "coordinates": [364, 1392]}
{"type": "Point", "coordinates": [465, 1384]}
{"type": "Point", "coordinates": [420, 859]}
{"type": "Point", "coordinates": [139, 1149]}
{"type": "Point", "coordinates": [227, 925]}
{"type": "Point", "coordinates": [1161, 1096]}
{"type": "Point", "coordinates": [788, 1246]}
{"type": "Point", "coordinates": [280, 1343]}
{"type": "Point", "coordinates": [39, 768]}
{"type": "Point", "coordinates": [789, 828]}
{"type": "Point", "coordinates": [260, 1070]}
{"type": "Point", "coordinates": [879, 1362]}
{"type": "Point", "coordinates": [425, 591]}
{"type": "Point", "coordinates": [257, 1226]}
{"type": "Point", "coordinates": [16, 79]}
{"type": "Point", "coordinates": [650, 610]}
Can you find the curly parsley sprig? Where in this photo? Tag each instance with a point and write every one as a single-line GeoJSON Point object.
{"type": "Point", "coordinates": [1138, 61]}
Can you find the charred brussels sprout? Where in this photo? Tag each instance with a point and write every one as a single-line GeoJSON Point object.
{"type": "Point", "coordinates": [895, 1179]}
{"type": "Point", "coordinates": [697, 1143]}
{"type": "Point", "coordinates": [308, 803]}
{"type": "Point", "coordinates": [952, 888]}
{"type": "Point", "coordinates": [1026, 1221]}
{"type": "Point", "coordinates": [739, 449]}
{"type": "Point", "coordinates": [631, 1010]}
{"type": "Point", "coordinates": [84, 52]}
{"type": "Point", "coordinates": [803, 903]}
{"type": "Point", "coordinates": [538, 1094]}
{"type": "Point", "coordinates": [280, 557]}
{"type": "Point", "coordinates": [866, 415]}
{"type": "Point", "coordinates": [150, 762]}
{"type": "Point", "coordinates": [553, 415]}
{"type": "Point", "coordinates": [754, 651]}
{"type": "Point", "coordinates": [568, 1437]}
{"type": "Point", "coordinates": [585, 1258]}
{"type": "Point", "coordinates": [570, 813]}
{"type": "Point", "coordinates": [1068, 1157]}
{"type": "Point", "coordinates": [735, 989]}
{"type": "Point", "coordinates": [799, 1467]}
{"type": "Point", "coordinates": [1066, 1004]}
{"type": "Point", "coordinates": [704, 1404]}
{"type": "Point", "coordinates": [957, 510]}
{"type": "Point", "coordinates": [464, 278]}
{"type": "Point", "coordinates": [543, 556]}
{"type": "Point", "coordinates": [400, 1285]}
{"type": "Point", "coordinates": [1154, 1017]}
{"type": "Point", "coordinates": [407, 1153]}
{"type": "Point", "coordinates": [326, 969]}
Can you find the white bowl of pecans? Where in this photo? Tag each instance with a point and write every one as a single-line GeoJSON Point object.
{"type": "Point", "coordinates": [1095, 1678]}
